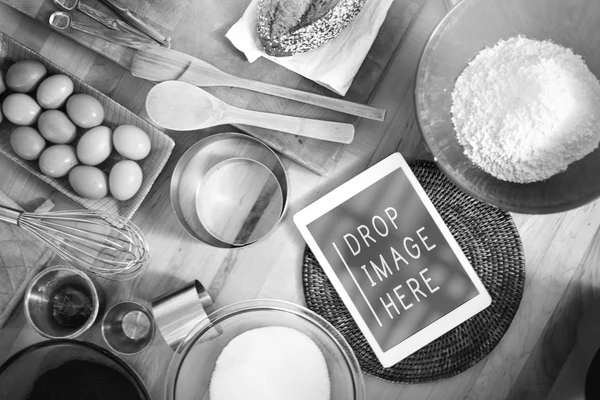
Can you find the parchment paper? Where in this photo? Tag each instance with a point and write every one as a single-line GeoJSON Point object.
{"type": "Point", "coordinates": [332, 65]}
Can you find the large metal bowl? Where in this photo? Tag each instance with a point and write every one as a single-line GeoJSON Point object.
{"type": "Point", "coordinates": [471, 26]}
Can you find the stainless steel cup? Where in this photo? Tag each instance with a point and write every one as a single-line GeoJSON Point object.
{"type": "Point", "coordinates": [55, 296]}
{"type": "Point", "coordinates": [180, 310]}
{"type": "Point", "coordinates": [128, 327]}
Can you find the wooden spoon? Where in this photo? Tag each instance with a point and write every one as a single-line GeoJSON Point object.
{"type": "Point", "coordinates": [181, 106]}
{"type": "Point", "coordinates": [161, 64]}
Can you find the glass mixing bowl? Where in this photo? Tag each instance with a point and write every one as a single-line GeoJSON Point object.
{"type": "Point", "coordinates": [470, 27]}
{"type": "Point", "coordinates": [194, 361]}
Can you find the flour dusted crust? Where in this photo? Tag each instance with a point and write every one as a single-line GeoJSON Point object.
{"type": "Point", "coordinates": [313, 28]}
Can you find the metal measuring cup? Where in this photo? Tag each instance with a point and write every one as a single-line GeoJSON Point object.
{"type": "Point", "coordinates": [62, 21]}
{"type": "Point", "coordinates": [128, 327]}
{"type": "Point", "coordinates": [176, 313]}
{"type": "Point", "coordinates": [104, 19]}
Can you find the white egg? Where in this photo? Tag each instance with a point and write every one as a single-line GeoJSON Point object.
{"type": "Point", "coordinates": [84, 110]}
{"type": "Point", "coordinates": [95, 145]}
{"type": "Point", "coordinates": [125, 179]}
{"type": "Point", "coordinates": [25, 75]}
{"type": "Point", "coordinates": [54, 91]}
{"type": "Point", "coordinates": [88, 182]}
{"type": "Point", "coordinates": [27, 143]}
{"type": "Point", "coordinates": [56, 127]}
{"type": "Point", "coordinates": [131, 142]}
{"type": "Point", "coordinates": [21, 109]}
{"type": "Point", "coordinates": [56, 161]}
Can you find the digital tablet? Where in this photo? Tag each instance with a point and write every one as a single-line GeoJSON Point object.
{"type": "Point", "coordinates": [392, 260]}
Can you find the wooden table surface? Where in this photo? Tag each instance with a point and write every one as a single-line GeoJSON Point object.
{"type": "Point", "coordinates": [562, 250]}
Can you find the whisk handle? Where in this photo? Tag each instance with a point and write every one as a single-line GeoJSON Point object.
{"type": "Point", "coordinates": [9, 215]}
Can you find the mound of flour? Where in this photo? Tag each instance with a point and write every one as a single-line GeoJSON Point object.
{"type": "Point", "coordinates": [272, 363]}
{"type": "Point", "coordinates": [525, 109]}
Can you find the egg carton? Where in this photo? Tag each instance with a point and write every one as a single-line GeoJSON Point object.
{"type": "Point", "coordinates": [115, 115]}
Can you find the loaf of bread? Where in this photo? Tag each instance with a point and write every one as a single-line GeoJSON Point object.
{"type": "Point", "coordinates": [288, 27]}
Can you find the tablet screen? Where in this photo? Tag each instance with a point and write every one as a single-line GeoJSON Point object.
{"type": "Point", "coordinates": [392, 259]}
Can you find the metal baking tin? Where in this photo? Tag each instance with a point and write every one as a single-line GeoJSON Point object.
{"type": "Point", "coordinates": [192, 169]}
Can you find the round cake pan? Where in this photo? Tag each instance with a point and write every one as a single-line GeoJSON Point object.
{"type": "Point", "coordinates": [229, 190]}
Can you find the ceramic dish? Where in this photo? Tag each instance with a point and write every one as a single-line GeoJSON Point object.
{"type": "Point", "coordinates": [115, 115]}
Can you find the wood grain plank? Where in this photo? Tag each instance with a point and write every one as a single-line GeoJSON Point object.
{"type": "Point", "coordinates": [104, 75]}
{"type": "Point", "coordinates": [559, 337]}
{"type": "Point", "coordinates": [13, 19]}
{"type": "Point", "coordinates": [569, 384]}
{"type": "Point", "coordinates": [31, 33]}
{"type": "Point", "coordinates": [543, 290]}
{"type": "Point", "coordinates": [166, 14]}
{"type": "Point", "coordinates": [81, 61]}
{"type": "Point", "coordinates": [27, 7]}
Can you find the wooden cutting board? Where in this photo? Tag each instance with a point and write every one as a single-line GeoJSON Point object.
{"type": "Point", "coordinates": [198, 28]}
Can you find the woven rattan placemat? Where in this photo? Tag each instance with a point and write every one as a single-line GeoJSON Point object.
{"type": "Point", "coordinates": [489, 239]}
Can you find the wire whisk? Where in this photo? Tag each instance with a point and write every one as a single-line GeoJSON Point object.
{"type": "Point", "coordinates": [115, 250]}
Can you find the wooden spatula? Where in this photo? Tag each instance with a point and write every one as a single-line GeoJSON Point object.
{"type": "Point", "coordinates": [162, 64]}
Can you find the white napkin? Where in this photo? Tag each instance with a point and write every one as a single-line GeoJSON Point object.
{"type": "Point", "coordinates": [332, 65]}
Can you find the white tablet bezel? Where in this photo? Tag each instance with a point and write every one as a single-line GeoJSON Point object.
{"type": "Point", "coordinates": [434, 330]}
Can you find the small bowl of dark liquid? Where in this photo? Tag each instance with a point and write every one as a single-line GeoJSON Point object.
{"type": "Point", "coordinates": [61, 302]}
